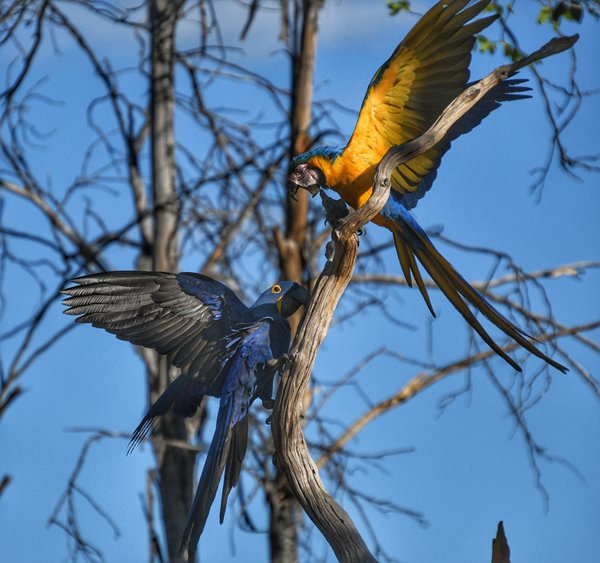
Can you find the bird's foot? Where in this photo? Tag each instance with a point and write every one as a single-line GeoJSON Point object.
{"type": "Point", "coordinates": [285, 361]}
{"type": "Point", "coordinates": [329, 251]}
{"type": "Point", "coordinates": [282, 363]}
{"type": "Point", "coordinates": [335, 210]}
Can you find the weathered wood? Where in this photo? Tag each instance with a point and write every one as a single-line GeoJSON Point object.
{"type": "Point", "coordinates": [292, 455]}
{"type": "Point", "coordinates": [176, 466]}
{"type": "Point", "coordinates": [283, 506]}
{"type": "Point", "coordinates": [500, 548]}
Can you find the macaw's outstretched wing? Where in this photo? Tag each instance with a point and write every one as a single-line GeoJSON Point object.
{"type": "Point", "coordinates": [188, 317]}
{"type": "Point", "coordinates": [425, 73]}
{"type": "Point", "coordinates": [506, 91]}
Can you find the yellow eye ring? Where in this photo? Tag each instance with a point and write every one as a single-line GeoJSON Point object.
{"type": "Point", "coordinates": [276, 288]}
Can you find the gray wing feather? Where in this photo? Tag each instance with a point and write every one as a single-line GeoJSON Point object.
{"type": "Point", "coordinates": [188, 317]}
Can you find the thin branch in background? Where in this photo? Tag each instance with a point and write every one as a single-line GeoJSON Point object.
{"type": "Point", "coordinates": [4, 483]}
{"type": "Point", "coordinates": [7, 95]}
{"type": "Point", "coordinates": [559, 117]}
{"type": "Point", "coordinates": [535, 452]}
{"type": "Point", "coordinates": [155, 554]}
{"type": "Point", "coordinates": [419, 383]}
{"type": "Point", "coordinates": [81, 546]}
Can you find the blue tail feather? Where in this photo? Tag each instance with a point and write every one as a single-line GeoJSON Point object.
{"type": "Point", "coordinates": [412, 241]}
{"type": "Point", "coordinates": [209, 479]}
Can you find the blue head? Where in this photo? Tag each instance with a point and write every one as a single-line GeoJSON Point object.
{"type": "Point", "coordinates": [283, 298]}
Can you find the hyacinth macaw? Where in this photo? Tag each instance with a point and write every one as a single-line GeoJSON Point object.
{"type": "Point", "coordinates": [425, 73]}
{"type": "Point", "coordinates": [224, 349]}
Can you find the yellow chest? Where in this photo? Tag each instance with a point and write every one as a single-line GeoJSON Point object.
{"type": "Point", "coordinates": [350, 177]}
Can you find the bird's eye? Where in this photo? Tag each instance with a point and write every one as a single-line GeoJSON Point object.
{"type": "Point", "coordinates": [276, 289]}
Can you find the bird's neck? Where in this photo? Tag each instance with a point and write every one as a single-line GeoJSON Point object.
{"type": "Point", "coordinates": [349, 176]}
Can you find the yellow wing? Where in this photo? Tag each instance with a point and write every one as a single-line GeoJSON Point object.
{"type": "Point", "coordinates": [407, 94]}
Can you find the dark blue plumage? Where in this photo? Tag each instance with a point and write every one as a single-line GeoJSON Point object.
{"type": "Point", "coordinates": [238, 392]}
{"type": "Point", "coordinates": [223, 348]}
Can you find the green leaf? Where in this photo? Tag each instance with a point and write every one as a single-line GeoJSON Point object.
{"type": "Point", "coordinates": [397, 6]}
{"type": "Point", "coordinates": [575, 12]}
{"type": "Point", "coordinates": [570, 10]}
{"type": "Point", "coordinates": [545, 14]}
{"type": "Point", "coordinates": [511, 52]}
{"type": "Point", "coordinates": [494, 7]}
{"type": "Point", "coordinates": [486, 45]}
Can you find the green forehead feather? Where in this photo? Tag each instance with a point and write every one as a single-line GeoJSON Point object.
{"type": "Point", "coordinates": [330, 153]}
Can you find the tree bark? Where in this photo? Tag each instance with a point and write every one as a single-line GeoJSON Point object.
{"type": "Point", "coordinates": [500, 547]}
{"type": "Point", "coordinates": [283, 506]}
{"type": "Point", "coordinates": [292, 455]}
{"type": "Point", "coordinates": [303, 54]}
{"type": "Point", "coordinates": [175, 465]}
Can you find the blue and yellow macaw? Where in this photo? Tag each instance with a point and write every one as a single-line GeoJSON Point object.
{"type": "Point", "coordinates": [425, 73]}
{"type": "Point", "coordinates": [224, 349]}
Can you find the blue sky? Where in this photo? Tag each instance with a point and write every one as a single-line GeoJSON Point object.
{"type": "Point", "coordinates": [469, 468]}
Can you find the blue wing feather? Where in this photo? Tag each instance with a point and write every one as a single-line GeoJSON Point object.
{"type": "Point", "coordinates": [215, 295]}
{"type": "Point", "coordinates": [222, 347]}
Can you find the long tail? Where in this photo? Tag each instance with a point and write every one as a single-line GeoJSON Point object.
{"type": "Point", "coordinates": [411, 241]}
{"type": "Point", "coordinates": [209, 480]}
{"type": "Point", "coordinates": [235, 459]}
{"type": "Point", "coordinates": [227, 449]}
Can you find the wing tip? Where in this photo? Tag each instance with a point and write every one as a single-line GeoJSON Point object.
{"type": "Point", "coordinates": [146, 426]}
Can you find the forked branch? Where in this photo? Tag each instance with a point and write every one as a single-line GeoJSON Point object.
{"type": "Point", "coordinates": [292, 454]}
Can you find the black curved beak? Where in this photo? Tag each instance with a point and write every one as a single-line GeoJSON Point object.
{"type": "Point", "coordinates": [293, 188]}
{"type": "Point", "coordinates": [299, 294]}
{"type": "Point", "coordinates": [296, 297]}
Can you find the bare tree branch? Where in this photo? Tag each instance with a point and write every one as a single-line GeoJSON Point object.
{"type": "Point", "coordinates": [292, 454]}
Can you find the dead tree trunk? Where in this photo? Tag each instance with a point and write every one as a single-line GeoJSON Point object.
{"type": "Point", "coordinates": [283, 506]}
{"type": "Point", "coordinates": [175, 465]}
{"type": "Point", "coordinates": [303, 56]}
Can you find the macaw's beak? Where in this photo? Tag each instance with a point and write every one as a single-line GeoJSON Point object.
{"type": "Point", "coordinates": [293, 299]}
{"type": "Point", "coordinates": [303, 176]}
